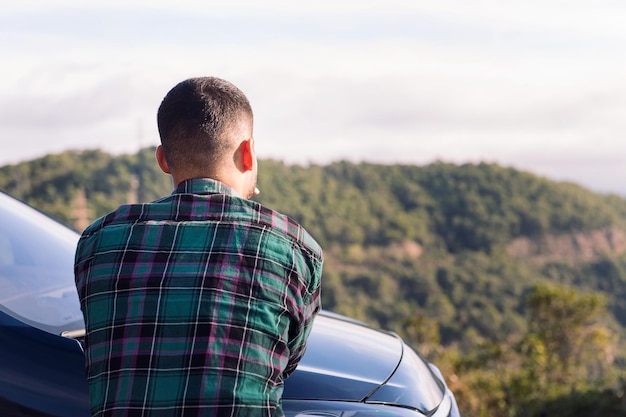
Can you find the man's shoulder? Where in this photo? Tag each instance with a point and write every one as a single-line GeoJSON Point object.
{"type": "Point", "coordinates": [287, 226]}
{"type": "Point", "coordinates": [215, 207]}
{"type": "Point", "coordinates": [124, 214]}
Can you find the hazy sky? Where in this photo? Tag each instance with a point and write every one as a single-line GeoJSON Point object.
{"type": "Point", "coordinates": [537, 84]}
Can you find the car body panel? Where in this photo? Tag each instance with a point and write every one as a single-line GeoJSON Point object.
{"type": "Point", "coordinates": [41, 371]}
{"type": "Point", "coordinates": [309, 408]}
{"type": "Point", "coordinates": [333, 358]}
{"type": "Point", "coordinates": [413, 384]}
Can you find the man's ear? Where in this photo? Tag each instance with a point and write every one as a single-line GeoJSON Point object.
{"type": "Point", "coordinates": [161, 160]}
{"type": "Point", "coordinates": [247, 155]}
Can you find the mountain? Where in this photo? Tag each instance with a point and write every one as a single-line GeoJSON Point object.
{"type": "Point", "coordinates": [446, 255]}
{"type": "Point", "coordinates": [459, 242]}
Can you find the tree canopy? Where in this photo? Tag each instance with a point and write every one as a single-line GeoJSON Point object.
{"type": "Point", "coordinates": [431, 252]}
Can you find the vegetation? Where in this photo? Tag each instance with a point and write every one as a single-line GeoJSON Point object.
{"type": "Point", "coordinates": [513, 284]}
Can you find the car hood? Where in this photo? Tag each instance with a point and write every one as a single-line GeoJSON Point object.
{"type": "Point", "coordinates": [344, 360]}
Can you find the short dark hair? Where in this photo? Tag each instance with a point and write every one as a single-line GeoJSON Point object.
{"type": "Point", "coordinates": [195, 118]}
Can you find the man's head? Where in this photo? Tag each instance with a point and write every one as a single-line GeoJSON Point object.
{"type": "Point", "coordinates": [205, 126]}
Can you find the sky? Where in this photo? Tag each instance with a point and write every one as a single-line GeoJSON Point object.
{"type": "Point", "coordinates": [538, 85]}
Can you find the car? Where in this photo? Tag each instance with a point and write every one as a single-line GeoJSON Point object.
{"type": "Point", "coordinates": [349, 369]}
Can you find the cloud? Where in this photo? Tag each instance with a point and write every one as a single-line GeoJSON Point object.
{"type": "Point", "coordinates": [538, 84]}
{"type": "Point", "coordinates": [107, 100]}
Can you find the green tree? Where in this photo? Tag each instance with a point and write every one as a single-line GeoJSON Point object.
{"type": "Point", "coordinates": [564, 332]}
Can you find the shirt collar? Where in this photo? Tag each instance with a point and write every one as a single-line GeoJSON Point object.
{"type": "Point", "coordinates": [204, 186]}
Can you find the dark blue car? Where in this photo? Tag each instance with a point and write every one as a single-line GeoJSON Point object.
{"type": "Point", "coordinates": [349, 369]}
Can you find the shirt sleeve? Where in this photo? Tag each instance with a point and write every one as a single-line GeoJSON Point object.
{"type": "Point", "coordinates": [300, 332]}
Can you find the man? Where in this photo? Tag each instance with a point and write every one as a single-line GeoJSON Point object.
{"type": "Point", "coordinates": [199, 303]}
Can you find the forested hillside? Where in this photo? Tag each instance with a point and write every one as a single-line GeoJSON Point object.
{"type": "Point", "coordinates": [513, 283]}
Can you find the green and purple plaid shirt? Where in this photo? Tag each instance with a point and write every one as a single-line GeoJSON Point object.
{"type": "Point", "coordinates": [198, 304]}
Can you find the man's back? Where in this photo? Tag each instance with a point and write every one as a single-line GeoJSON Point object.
{"type": "Point", "coordinates": [198, 304]}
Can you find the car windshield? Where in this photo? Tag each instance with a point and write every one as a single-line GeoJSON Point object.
{"type": "Point", "coordinates": [36, 268]}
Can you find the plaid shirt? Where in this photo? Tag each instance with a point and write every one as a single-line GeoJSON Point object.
{"type": "Point", "coordinates": [198, 304]}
